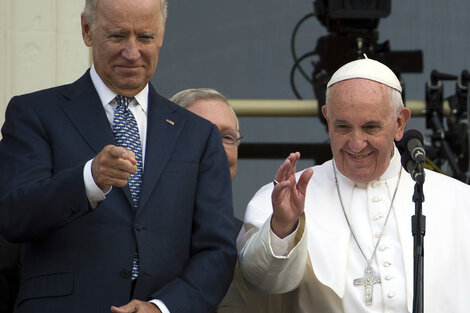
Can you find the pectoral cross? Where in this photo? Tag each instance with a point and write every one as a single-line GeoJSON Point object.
{"type": "Point", "coordinates": [368, 281]}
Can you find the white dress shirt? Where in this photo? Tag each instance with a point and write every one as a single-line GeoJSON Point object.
{"type": "Point", "coordinates": [138, 107]}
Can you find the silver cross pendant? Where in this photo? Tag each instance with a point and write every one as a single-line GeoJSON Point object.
{"type": "Point", "coordinates": [368, 281]}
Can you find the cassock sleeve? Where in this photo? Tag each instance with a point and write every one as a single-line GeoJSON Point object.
{"type": "Point", "coordinates": [262, 270]}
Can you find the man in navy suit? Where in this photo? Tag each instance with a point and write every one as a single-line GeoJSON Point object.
{"type": "Point", "coordinates": [87, 244]}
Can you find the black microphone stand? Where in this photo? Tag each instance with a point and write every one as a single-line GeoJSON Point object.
{"type": "Point", "coordinates": [418, 226]}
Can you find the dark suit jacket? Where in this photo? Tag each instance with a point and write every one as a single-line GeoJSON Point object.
{"type": "Point", "coordinates": [77, 259]}
{"type": "Point", "coordinates": [9, 262]}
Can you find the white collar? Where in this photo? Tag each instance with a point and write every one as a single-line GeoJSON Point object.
{"type": "Point", "coordinates": [107, 95]}
{"type": "Point", "coordinates": [392, 170]}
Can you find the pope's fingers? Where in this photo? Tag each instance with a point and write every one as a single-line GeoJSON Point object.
{"type": "Point", "coordinates": [285, 170]}
{"type": "Point", "coordinates": [294, 159]}
{"type": "Point", "coordinates": [277, 194]}
{"type": "Point", "coordinates": [304, 180]}
{"type": "Point", "coordinates": [280, 174]}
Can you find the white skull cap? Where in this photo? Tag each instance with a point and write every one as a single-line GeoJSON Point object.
{"type": "Point", "coordinates": [368, 69]}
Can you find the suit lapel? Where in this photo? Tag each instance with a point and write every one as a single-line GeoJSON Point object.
{"type": "Point", "coordinates": [86, 113]}
{"type": "Point", "coordinates": [163, 129]}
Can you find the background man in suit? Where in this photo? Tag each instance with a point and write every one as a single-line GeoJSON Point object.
{"type": "Point", "coordinates": [214, 107]}
{"type": "Point", "coordinates": [103, 218]}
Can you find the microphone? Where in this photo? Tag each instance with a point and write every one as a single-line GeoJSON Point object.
{"type": "Point", "coordinates": [414, 168]}
{"type": "Point", "coordinates": [413, 141]}
{"type": "Point", "coordinates": [413, 154]}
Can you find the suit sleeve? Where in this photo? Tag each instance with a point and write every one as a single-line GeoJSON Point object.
{"type": "Point", "coordinates": [208, 274]}
{"type": "Point", "coordinates": [35, 199]}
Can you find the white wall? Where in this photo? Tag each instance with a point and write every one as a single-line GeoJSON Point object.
{"type": "Point", "coordinates": [41, 46]}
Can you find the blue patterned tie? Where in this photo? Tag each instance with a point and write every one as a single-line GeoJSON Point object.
{"type": "Point", "coordinates": [127, 136]}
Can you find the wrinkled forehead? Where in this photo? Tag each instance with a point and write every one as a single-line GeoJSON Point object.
{"type": "Point", "coordinates": [359, 97]}
{"type": "Point", "coordinates": [359, 89]}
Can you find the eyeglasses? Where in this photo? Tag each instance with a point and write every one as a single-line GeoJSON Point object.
{"type": "Point", "coordinates": [230, 137]}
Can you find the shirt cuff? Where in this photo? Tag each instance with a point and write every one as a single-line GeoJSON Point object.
{"type": "Point", "coordinates": [282, 247]}
{"type": "Point", "coordinates": [160, 305]}
{"type": "Point", "coordinates": [93, 192]}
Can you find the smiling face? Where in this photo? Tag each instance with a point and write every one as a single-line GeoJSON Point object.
{"type": "Point", "coordinates": [362, 126]}
{"type": "Point", "coordinates": [126, 37]}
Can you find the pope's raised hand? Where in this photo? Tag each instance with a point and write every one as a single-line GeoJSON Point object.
{"type": "Point", "coordinates": [288, 196]}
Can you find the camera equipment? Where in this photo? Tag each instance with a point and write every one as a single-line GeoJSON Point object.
{"type": "Point", "coordinates": [449, 139]}
{"type": "Point", "coordinates": [352, 32]}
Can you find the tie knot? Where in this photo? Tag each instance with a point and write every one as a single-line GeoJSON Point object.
{"type": "Point", "coordinates": [121, 100]}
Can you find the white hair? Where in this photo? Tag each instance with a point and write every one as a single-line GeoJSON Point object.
{"type": "Point", "coordinates": [89, 12]}
{"type": "Point", "coordinates": [187, 97]}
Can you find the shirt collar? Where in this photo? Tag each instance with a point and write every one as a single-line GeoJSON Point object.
{"type": "Point", "coordinates": [394, 168]}
{"type": "Point", "coordinates": [107, 95]}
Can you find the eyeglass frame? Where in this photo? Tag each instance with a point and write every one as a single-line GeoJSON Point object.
{"type": "Point", "coordinates": [233, 140]}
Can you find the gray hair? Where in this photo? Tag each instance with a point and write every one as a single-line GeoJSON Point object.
{"type": "Point", "coordinates": [89, 12]}
{"type": "Point", "coordinates": [187, 97]}
{"type": "Point", "coordinates": [394, 96]}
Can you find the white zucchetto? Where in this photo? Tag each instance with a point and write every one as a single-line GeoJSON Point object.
{"type": "Point", "coordinates": [368, 69]}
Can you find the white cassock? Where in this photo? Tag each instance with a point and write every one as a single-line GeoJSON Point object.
{"type": "Point", "coordinates": [318, 272]}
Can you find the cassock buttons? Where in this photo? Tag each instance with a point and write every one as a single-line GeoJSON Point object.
{"type": "Point", "coordinates": [378, 217]}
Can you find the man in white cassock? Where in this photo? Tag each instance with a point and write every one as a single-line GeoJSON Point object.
{"type": "Point", "coordinates": [337, 237]}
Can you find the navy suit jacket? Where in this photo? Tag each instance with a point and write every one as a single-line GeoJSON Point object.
{"type": "Point", "coordinates": [9, 257]}
{"type": "Point", "coordinates": [78, 259]}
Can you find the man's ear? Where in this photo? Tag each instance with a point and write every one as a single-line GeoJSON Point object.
{"type": "Point", "coordinates": [402, 119]}
{"type": "Point", "coordinates": [86, 32]}
{"type": "Point", "coordinates": [324, 112]}
{"type": "Point", "coordinates": [161, 36]}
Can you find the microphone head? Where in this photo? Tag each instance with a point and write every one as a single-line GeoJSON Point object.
{"type": "Point", "coordinates": [412, 142]}
{"type": "Point", "coordinates": [405, 158]}
{"type": "Point", "coordinates": [410, 134]}
{"type": "Point", "coordinates": [404, 145]}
